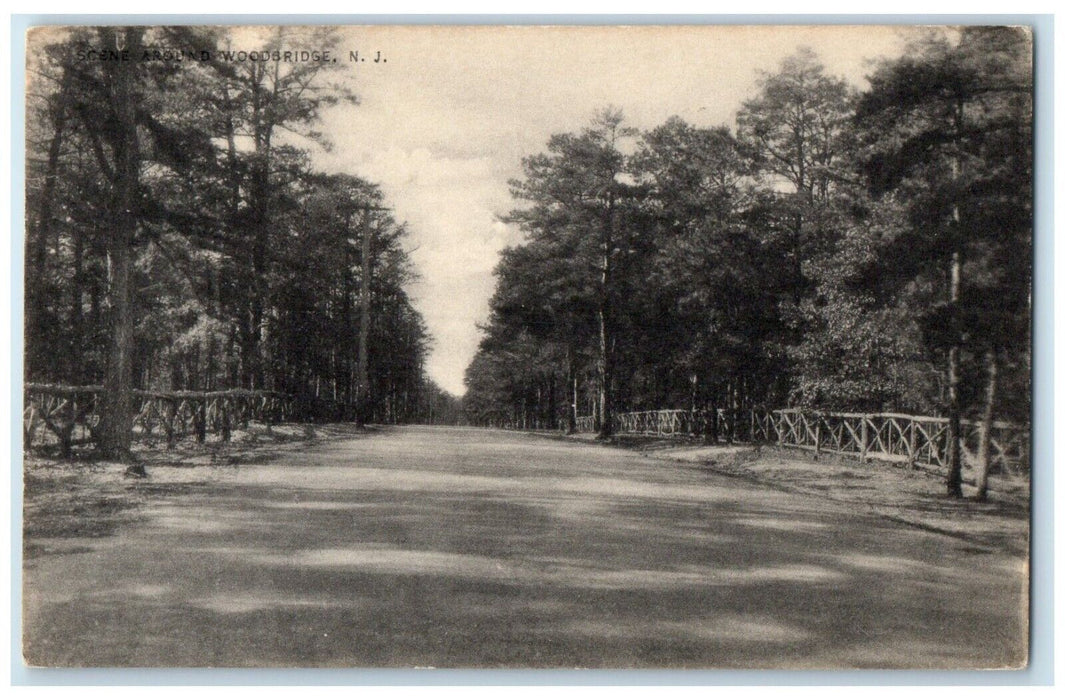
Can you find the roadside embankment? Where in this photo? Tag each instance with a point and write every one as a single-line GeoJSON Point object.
{"type": "Point", "coordinates": [84, 497]}
{"type": "Point", "coordinates": [916, 497]}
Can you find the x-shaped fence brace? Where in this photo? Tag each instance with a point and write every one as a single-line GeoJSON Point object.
{"type": "Point", "coordinates": [918, 440]}
{"type": "Point", "coordinates": [70, 413]}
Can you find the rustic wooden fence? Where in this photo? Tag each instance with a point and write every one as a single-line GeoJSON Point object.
{"type": "Point", "coordinates": [68, 415]}
{"type": "Point", "coordinates": [917, 440]}
{"type": "Point", "coordinates": [669, 422]}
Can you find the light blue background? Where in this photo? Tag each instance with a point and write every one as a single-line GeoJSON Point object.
{"type": "Point", "coordinates": [1040, 670]}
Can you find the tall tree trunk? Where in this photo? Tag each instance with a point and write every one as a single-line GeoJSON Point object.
{"type": "Point", "coordinates": [552, 402]}
{"type": "Point", "coordinates": [347, 320]}
{"type": "Point", "coordinates": [606, 417]}
{"type": "Point", "coordinates": [953, 388]}
{"type": "Point", "coordinates": [693, 395]}
{"type": "Point", "coordinates": [363, 399]}
{"type": "Point", "coordinates": [954, 354]}
{"type": "Point", "coordinates": [233, 375]}
{"type": "Point", "coordinates": [116, 413]}
{"type": "Point", "coordinates": [258, 305]}
{"type": "Point", "coordinates": [594, 397]}
{"type": "Point", "coordinates": [986, 423]}
{"type": "Point", "coordinates": [214, 347]}
{"type": "Point", "coordinates": [733, 410]}
{"type": "Point", "coordinates": [260, 224]}
{"type": "Point", "coordinates": [236, 376]}
{"type": "Point", "coordinates": [571, 381]}
{"type": "Point", "coordinates": [711, 422]}
{"type": "Point", "coordinates": [77, 316]}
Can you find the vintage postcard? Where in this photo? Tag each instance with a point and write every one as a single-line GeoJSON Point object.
{"type": "Point", "coordinates": [553, 347]}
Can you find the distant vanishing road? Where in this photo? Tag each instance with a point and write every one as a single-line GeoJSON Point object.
{"type": "Point", "coordinates": [453, 547]}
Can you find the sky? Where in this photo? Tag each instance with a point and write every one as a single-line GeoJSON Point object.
{"type": "Point", "coordinates": [444, 120]}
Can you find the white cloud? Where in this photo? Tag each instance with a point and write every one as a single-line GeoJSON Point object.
{"type": "Point", "coordinates": [451, 206]}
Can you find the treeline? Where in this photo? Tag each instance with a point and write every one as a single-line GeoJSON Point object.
{"type": "Point", "coordinates": [844, 250]}
{"type": "Point", "coordinates": [178, 236]}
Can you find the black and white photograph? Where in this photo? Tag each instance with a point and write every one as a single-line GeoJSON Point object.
{"type": "Point", "coordinates": [444, 346]}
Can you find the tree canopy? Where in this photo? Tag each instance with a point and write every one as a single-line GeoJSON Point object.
{"type": "Point", "coordinates": [842, 249]}
{"type": "Point", "coordinates": [178, 236]}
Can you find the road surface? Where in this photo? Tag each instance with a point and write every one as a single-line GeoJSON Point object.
{"type": "Point", "coordinates": [451, 547]}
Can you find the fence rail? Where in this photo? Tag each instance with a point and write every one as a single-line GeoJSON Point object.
{"type": "Point", "coordinates": [918, 440]}
{"type": "Point", "coordinates": [69, 414]}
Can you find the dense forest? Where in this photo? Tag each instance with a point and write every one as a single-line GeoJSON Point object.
{"type": "Point", "coordinates": [178, 237]}
{"type": "Point", "coordinates": [839, 249]}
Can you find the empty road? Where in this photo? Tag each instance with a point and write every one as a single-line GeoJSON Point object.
{"type": "Point", "coordinates": [452, 547]}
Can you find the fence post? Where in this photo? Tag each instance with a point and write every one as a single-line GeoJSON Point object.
{"type": "Point", "coordinates": [29, 428]}
{"type": "Point", "coordinates": [817, 436]}
{"type": "Point", "coordinates": [199, 422]}
{"type": "Point", "coordinates": [865, 438]}
{"type": "Point", "coordinates": [66, 439]}
{"type": "Point", "coordinates": [168, 424]}
{"type": "Point", "coordinates": [912, 457]}
{"type": "Point", "coordinates": [226, 422]}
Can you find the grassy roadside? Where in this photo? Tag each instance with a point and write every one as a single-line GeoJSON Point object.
{"type": "Point", "coordinates": [915, 497]}
{"type": "Point", "coordinates": [84, 497]}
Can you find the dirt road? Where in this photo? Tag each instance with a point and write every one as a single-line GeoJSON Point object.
{"type": "Point", "coordinates": [453, 547]}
